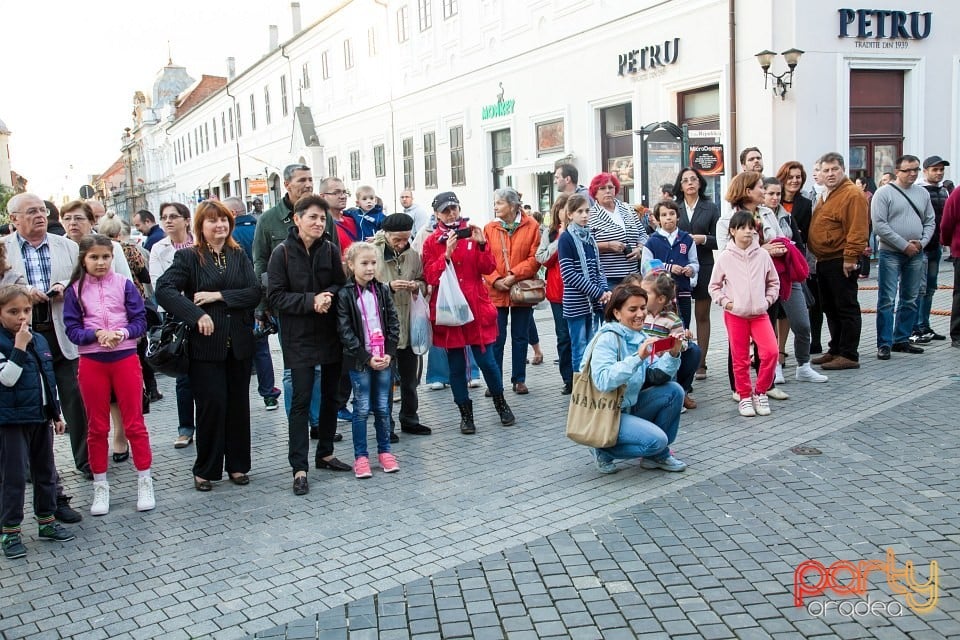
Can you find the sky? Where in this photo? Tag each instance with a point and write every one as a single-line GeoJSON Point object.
{"type": "Point", "coordinates": [71, 69]}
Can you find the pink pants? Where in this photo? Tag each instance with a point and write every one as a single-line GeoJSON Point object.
{"type": "Point", "coordinates": [125, 378]}
{"type": "Point", "coordinates": [739, 332]}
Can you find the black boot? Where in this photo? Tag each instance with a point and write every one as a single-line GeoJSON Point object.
{"type": "Point", "coordinates": [506, 416]}
{"type": "Point", "coordinates": [466, 417]}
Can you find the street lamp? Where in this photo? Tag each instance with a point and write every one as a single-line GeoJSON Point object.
{"type": "Point", "coordinates": [783, 81]}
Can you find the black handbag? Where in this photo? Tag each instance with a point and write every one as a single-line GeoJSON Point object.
{"type": "Point", "coordinates": [167, 349]}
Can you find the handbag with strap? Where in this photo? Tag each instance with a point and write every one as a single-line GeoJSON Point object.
{"type": "Point", "coordinates": [528, 293]}
{"type": "Point", "coordinates": [593, 418]}
{"type": "Point", "coordinates": [167, 350]}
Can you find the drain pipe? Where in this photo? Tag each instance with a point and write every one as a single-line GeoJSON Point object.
{"type": "Point", "coordinates": [733, 82]}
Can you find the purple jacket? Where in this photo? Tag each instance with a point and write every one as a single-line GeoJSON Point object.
{"type": "Point", "coordinates": [111, 302]}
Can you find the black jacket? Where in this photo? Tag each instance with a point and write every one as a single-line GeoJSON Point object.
{"type": "Point", "coordinates": [802, 213]}
{"type": "Point", "coordinates": [350, 324]}
{"type": "Point", "coordinates": [704, 222]}
{"type": "Point", "coordinates": [232, 317]}
{"type": "Point", "coordinates": [938, 199]}
{"type": "Point", "coordinates": [294, 278]}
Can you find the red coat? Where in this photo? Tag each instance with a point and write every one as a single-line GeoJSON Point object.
{"type": "Point", "coordinates": [471, 263]}
{"type": "Point", "coordinates": [554, 281]}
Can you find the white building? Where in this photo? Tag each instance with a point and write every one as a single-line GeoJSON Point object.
{"type": "Point", "coordinates": [5, 178]}
{"type": "Point", "coordinates": [441, 94]}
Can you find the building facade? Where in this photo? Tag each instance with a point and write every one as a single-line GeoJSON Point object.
{"type": "Point", "coordinates": [6, 178]}
{"type": "Point", "coordinates": [439, 94]}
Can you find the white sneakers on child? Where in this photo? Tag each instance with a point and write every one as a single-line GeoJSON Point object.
{"type": "Point", "coordinates": [778, 375]}
{"type": "Point", "coordinates": [101, 499]}
{"type": "Point", "coordinates": [145, 498]}
{"type": "Point", "coordinates": [805, 373]}
{"type": "Point", "coordinates": [761, 405]}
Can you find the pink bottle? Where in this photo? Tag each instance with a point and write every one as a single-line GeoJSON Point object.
{"type": "Point", "coordinates": [377, 344]}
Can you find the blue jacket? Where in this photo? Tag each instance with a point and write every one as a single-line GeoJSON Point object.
{"type": "Point", "coordinates": [156, 235]}
{"type": "Point", "coordinates": [367, 223]}
{"type": "Point", "coordinates": [23, 402]}
{"type": "Point", "coordinates": [244, 227]}
{"type": "Point", "coordinates": [611, 366]}
{"type": "Point", "coordinates": [678, 253]}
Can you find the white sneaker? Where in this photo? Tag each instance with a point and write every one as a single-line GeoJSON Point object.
{"type": "Point", "coordinates": [805, 373]}
{"type": "Point", "coordinates": [475, 383]}
{"type": "Point", "coordinates": [761, 405]}
{"type": "Point", "coordinates": [735, 396]}
{"type": "Point", "coordinates": [145, 499]}
{"type": "Point", "coordinates": [436, 386]}
{"type": "Point", "coordinates": [777, 394]}
{"type": "Point", "coordinates": [746, 408]}
{"type": "Point", "coordinates": [778, 376]}
{"type": "Point", "coordinates": [101, 499]}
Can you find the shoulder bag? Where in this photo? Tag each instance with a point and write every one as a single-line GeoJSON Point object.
{"type": "Point", "coordinates": [525, 293]}
{"type": "Point", "coordinates": [593, 418]}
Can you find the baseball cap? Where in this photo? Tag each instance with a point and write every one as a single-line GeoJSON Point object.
{"type": "Point", "coordinates": [933, 161]}
{"type": "Point", "coordinates": [444, 200]}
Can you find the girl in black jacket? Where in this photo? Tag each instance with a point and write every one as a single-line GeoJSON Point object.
{"type": "Point", "coordinates": [369, 330]}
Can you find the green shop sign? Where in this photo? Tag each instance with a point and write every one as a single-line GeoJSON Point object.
{"type": "Point", "coordinates": [501, 108]}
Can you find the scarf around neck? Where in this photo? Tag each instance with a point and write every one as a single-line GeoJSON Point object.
{"type": "Point", "coordinates": [582, 236]}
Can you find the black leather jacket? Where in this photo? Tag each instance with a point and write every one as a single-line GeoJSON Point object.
{"type": "Point", "coordinates": [350, 324]}
{"type": "Point", "coordinates": [938, 198]}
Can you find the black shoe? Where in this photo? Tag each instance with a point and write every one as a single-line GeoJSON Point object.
{"type": "Point", "coordinates": [955, 343]}
{"type": "Point", "coordinates": [314, 433]}
{"type": "Point", "coordinates": [567, 389]}
{"type": "Point", "coordinates": [417, 430]}
{"type": "Point", "coordinates": [503, 409]}
{"type": "Point", "coordinates": [883, 353]}
{"type": "Point", "coordinates": [87, 474]}
{"type": "Point", "coordinates": [394, 438]}
{"type": "Point", "coordinates": [55, 532]}
{"type": "Point", "coordinates": [816, 349]}
{"type": "Point", "coordinates": [64, 513]}
{"type": "Point", "coordinates": [920, 337]}
{"type": "Point", "coordinates": [333, 465]}
{"type": "Point", "coordinates": [13, 546]}
{"type": "Point", "coordinates": [467, 425]}
{"type": "Point", "coordinates": [300, 486]}
{"type": "Point", "coordinates": [122, 457]}
{"type": "Point", "coordinates": [906, 347]}
{"type": "Point", "coordinates": [337, 437]}
{"type": "Point", "coordinates": [155, 395]}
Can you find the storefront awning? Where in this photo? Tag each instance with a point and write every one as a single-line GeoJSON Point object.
{"type": "Point", "coordinates": [537, 165]}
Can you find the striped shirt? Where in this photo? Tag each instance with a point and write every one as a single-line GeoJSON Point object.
{"type": "Point", "coordinates": [607, 228]}
{"type": "Point", "coordinates": [581, 291]}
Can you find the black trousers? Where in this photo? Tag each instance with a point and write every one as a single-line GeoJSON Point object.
{"type": "Point", "coordinates": [407, 365]}
{"type": "Point", "coordinates": [222, 393]}
{"type": "Point", "coordinates": [71, 403]}
{"type": "Point", "coordinates": [18, 444]}
{"type": "Point", "coordinates": [816, 314]}
{"type": "Point", "coordinates": [302, 378]}
{"type": "Point", "coordinates": [955, 309]}
{"type": "Point", "coordinates": [149, 376]}
{"type": "Point", "coordinates": [838, 297]}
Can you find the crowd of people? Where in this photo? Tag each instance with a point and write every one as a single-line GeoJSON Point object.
{"type": "Point", "coordinates": [630, 290]}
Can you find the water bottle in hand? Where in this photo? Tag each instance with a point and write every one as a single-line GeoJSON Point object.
{"type": "Point", "coordinates": [377, 349]}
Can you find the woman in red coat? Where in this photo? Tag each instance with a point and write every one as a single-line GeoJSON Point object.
{"type": "Point", "coordinates": [471, 260]}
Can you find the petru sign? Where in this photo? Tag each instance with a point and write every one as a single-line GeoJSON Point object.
{"type": "Point", "coordinates": [846, 578]}
{"type": "Point", "coordinates": [882, 23]}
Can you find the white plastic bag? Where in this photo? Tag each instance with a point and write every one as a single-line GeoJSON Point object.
{"type": "Point", "coordinates": [420, 331]}
{"type": "Point", "coordinates": [452, 307]}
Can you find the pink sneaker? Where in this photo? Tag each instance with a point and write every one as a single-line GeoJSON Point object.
{"type": "Point", "coordinates": [389, 463]}
{"type": "Point", "coordinates": [361, 466]}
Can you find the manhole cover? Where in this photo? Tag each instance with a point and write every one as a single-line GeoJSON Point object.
{"type": "Point", "coordinates": [803, 450]}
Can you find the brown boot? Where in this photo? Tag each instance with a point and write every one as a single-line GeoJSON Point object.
{"type": "Point", "coordinates": [839, 362]}
{"type": "Point", "coordinates": [824, 359]}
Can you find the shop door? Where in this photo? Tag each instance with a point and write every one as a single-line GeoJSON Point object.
{"type": "Point", "coordinates": [876, 122]}
{"type": "Point", "coordinates": [545, 189]}
{"type": "Point", "coordinates": [500, 144]}
{"type": "Point", "coordinates": [616, 127]}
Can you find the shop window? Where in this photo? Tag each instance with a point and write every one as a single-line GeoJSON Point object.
{"type": "Point", "coordinates": [549, 137]}
{"type": "Point", "coordinates": [501, 146]}
{"type": "Point", "coordinates": [876, 122]}
{"type": "Point", "coordinates": [403, 23]}
{"type": "Point", "coordinates": [616, 130]}
{"type": "Point", "coordinates": [699, 109]}
{"type": "Point", "coordinates": [425, 12]}
{"type": "Point", "coordinates": [284, 107]}
{"type": "Point", "coordinates": [407, 152]}
{"type": "Point", "coordinates": [332, 167]}
{"type": "Point", "coordinates": [379, 161]}
{"type": "Point", "coordinates": [354, 165]}
{"type": "Point", "coordinates": [430, 160]}
{"type": "Point", "coordinates": [458, 175]}
{"type": "Point", "coordinates": [449, 9]}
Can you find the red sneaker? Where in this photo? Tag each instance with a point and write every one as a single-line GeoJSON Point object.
{"type": "Point", "coordinates": [361, 466]}
{"type": "Point", "coordinates": [388, 462]}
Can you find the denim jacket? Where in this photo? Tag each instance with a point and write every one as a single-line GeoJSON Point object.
{"type": "Point", "coordinates": [610, 369]}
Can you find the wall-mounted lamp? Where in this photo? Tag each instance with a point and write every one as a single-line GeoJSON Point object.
{"type": "Point", "coordinates": [785, 80]}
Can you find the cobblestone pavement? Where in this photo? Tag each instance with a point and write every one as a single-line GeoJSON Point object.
{"type": "Point", "coordinates": [513, 533]}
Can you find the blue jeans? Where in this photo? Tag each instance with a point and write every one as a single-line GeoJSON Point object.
{"type": "Point", "coordinates": [895, 268]}
{"type": "Point", "coordinates": [438, 369]}
{"type": "Point", "coordinates": [458, 371]}
{"type": "Point", "coordinates": [263, 363]}
{"type": "Point", "coordinates": [519, 338]}
{"type": "Point", "coordinates": [185, 407]}
{"type": "Point", "coordinates": [563, 342]}
{"type": "Point", "coordinates": [581, 329]}
{"type": "Point", "coordinates": [371, 393]}
{"type": "Point", "coordinates": [314, 397]}
{"type": "Point", "coordinates": [649, 427]}
{"type": "Point", "coordinates": [928, 287]}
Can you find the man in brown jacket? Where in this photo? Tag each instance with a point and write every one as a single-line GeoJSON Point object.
{"type": "Point", "coordinates": [838, 236]}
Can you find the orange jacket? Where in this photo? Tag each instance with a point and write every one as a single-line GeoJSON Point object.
{"type": "Point", "coordinates": [521, 248]}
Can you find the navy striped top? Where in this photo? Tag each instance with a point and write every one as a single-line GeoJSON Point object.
{"type": "Point", "coordinates": [581, 292]}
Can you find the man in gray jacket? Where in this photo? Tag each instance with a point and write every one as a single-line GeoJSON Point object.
{"type": "Point", "coordinates": [904, 221]}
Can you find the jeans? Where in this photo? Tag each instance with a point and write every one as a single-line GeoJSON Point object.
{"type": "Point", "coordinates": [438, 369]}
{"type": "Point", "coordinates": [648, 427]}
{"type": "Point", "coordinates": [304, 383]}
{"type": "Point", "coordinates": [534, 336]}
{"type": "Point", "coordinates": [263, 363]}
{"type": "Point", "coordinates": [928, 286]}
{"type": "Point", "coordinates": [314, 415]}
{"type": "Point", "coordinates": [581, 330]}
{"type": "Point", "coordinates": [838, 299]}
{"type": "Point", "coordinates": [519, 336]}
{"type": "Point", "coordinates": [185, 407]}
{"type": "Point", "coordinates": [458, 371]}
{"type": "Point", "coordinates": [896, 268]}
{"type": "Point", "coordinates": [371, 393]}
{"type": "Point", "coordinates": [563, 342]}
{"type": "Point", "coordinates": [689, 362]}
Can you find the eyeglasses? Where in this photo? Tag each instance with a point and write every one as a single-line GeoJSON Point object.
{"type": "Point", "coordinates": [338, 193]}
{"type": "Point", "coordinates": [690, 180]}
{"type": "Point", "coordinates": [33, 211]}
{"type": "Point", "coordinates": [170, 217]}
{"type": "Point", "coordinates": [913, 170]}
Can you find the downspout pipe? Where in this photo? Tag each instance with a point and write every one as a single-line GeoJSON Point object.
{"type": "Point", "coordinates": [733, 81]}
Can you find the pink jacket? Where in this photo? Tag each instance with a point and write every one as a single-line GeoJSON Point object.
{"type": "Point", "coordinates": [745, 277]}
{"type": "Point", "coordinates": [950, 224]}
{"type": "Point", "coordinates": [106, 305]}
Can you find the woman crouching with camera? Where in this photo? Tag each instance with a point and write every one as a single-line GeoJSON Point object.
{"type": "Point", "coordinates": [622, 354]}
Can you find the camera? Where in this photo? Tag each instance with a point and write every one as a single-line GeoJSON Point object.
{"type": "Point", "coordinates": [265, 328]}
